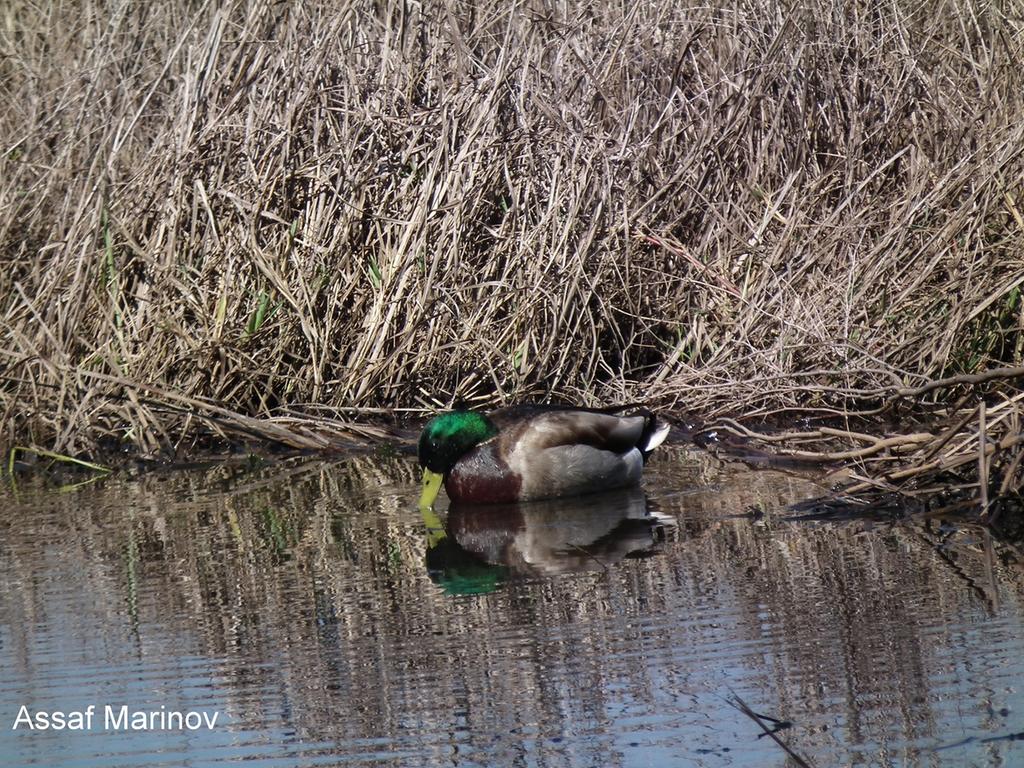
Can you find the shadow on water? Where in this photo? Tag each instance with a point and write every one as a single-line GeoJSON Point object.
{"type": "Point", "coordinates": [313, 609]}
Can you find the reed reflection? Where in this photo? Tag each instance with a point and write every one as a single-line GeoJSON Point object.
{"type": "Point", "coordinates": [293, 598]}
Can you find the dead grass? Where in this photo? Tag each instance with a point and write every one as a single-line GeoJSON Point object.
{"type": "Point", "coordinates": [966, 458]}
{"type": "Point", "coordinates": [219, 211]}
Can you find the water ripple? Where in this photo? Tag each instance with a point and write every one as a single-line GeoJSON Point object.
{"type": "Point", "coordinates": [310, 608]}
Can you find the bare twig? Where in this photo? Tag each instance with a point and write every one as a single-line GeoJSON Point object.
{"type": "Point", "coordinates": [742, 706]}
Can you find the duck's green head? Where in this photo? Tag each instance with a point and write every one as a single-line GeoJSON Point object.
{"type": "Point", "coordinates": [448, 436]}
{"type": "Point", "coordinates": [443, 442]}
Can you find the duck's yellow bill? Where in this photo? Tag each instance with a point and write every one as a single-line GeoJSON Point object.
{"type": "Point", "coordinates": [431, 487]}
{"type": "Point", "coordinates": [435, 528]}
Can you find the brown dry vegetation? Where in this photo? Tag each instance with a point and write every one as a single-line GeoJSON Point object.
{"type": "Point", "coordinates": [212, 212]}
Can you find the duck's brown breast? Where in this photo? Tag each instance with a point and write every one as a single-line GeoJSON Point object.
{"type": "Point", "coordinates": [480, 477]}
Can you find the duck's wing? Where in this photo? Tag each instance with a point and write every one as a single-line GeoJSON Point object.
{"type": "Point", "coordinates": [604, 431]}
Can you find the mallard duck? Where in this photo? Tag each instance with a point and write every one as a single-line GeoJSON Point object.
{"type": "Point", "coordinates": [534, 452]}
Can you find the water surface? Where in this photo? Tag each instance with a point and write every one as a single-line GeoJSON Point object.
{"type": "Point", "coordinates": [322, 620]}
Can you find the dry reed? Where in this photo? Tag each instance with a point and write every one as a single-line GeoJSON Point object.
{"type": "Point", "coordinates": [213, 212]}
{"type": "Point", "coordinates": [970, 459]}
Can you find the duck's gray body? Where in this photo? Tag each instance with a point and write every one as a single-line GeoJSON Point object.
{"type": "Point", "coordinates": [543, 452]}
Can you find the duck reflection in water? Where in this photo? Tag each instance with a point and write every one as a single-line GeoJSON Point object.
{"type": "Point", "coordinates": [480, 546]}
